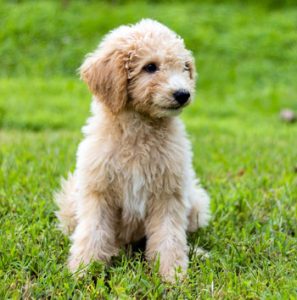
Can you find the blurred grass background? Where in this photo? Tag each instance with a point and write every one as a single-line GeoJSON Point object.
{"type": "Point", "coordinates": [246, 56]}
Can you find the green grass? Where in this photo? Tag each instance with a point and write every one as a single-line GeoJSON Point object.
{"type": "Point", "coordinates": [246, 157]}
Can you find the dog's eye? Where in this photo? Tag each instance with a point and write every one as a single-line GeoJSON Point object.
{"type": "Point", "coordinates": [187, 66]}
{"type": "Point", "coordinates": [150, 68]}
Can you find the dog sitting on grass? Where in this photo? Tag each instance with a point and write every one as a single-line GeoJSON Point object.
{"type": "Point", "coordinates": [134, 175]}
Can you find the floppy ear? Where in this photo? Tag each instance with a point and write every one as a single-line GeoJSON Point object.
{"type": "Point", "coordinates": [106, 75]}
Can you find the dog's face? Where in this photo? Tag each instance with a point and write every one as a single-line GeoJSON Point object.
{"type": "Point", "coordinates": [145, 68]}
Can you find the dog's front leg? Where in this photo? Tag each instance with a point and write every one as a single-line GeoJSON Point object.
{"type": "Point", "coordinates": [166, 233]}
{"type": "Point", "coordinates": [94, 236]}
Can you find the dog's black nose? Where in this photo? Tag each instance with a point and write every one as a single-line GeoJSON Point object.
{"type": "Point", "coordinates": [181, 96]}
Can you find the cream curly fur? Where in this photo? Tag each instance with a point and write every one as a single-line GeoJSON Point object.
{"type": "Point", "coordinates": [134, 174]}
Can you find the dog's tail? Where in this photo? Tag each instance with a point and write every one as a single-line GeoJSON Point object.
{"type": "Point", "coordinates": [66, 201]}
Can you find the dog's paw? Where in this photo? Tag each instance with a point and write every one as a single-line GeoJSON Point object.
{"type": "Point", "coordinates": [173, 274]}
{"type": "Point", "coordinates": [173, 270]}
{"type": "Point", "coordinates": [76, 265]}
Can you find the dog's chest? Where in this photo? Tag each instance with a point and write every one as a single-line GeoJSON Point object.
{"type": "Point", "coordinates": [135, 198]}
{"type": "Point", "coordinates": [139, 175]}
{"type": "Point", "coordinates": [146, 170]}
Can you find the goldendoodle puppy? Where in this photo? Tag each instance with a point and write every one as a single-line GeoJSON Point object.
{"type": "Point", "coordinates": [134, 174]}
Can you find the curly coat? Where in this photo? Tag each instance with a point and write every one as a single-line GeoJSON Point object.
{"type": "Point", "coordinates": [134, 174]}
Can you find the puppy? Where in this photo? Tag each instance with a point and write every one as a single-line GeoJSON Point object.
{"type": "Point", "coordinates": [134, 174]}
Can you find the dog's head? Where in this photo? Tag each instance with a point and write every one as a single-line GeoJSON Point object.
{"type": "Point", "coordinates": [144, 67]}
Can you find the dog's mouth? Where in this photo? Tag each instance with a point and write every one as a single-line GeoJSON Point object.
{"type": "Point", "coordinates": [175, 107]}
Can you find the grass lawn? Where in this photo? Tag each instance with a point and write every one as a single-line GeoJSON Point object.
{"type": "Point", "coordinates": [246, 157]}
